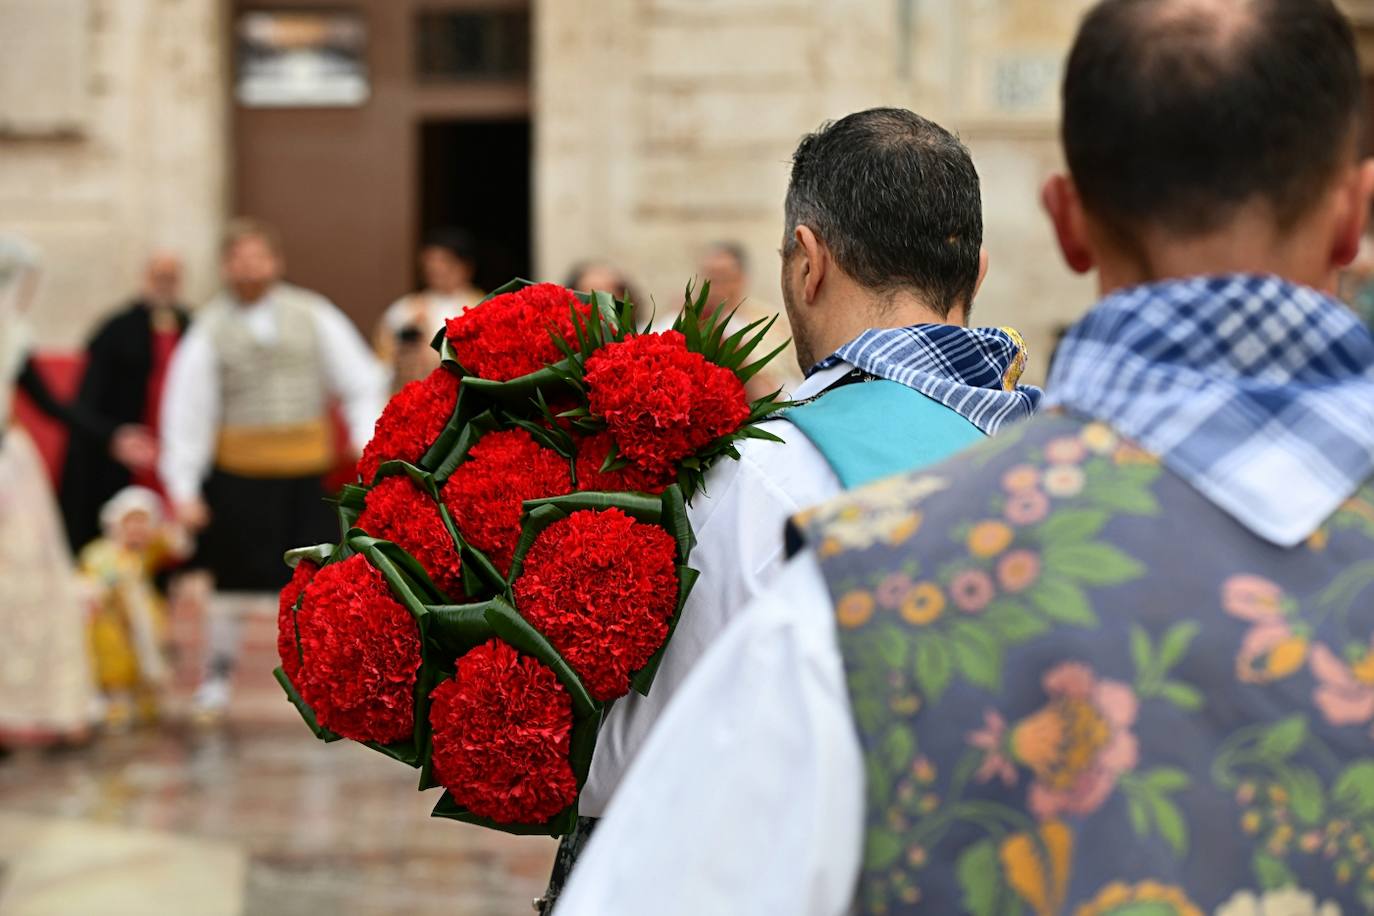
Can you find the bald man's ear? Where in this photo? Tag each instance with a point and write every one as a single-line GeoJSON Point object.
{"type": "Point", "coordinates": [1355, 196]}
{"type": "Point", "coordinates": [1060, 199]}
{"type": "Point", "coordinates": [982, 271]}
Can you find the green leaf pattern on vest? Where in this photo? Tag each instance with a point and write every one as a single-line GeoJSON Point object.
{"type": "Point", "coordinates": [1040, 738]}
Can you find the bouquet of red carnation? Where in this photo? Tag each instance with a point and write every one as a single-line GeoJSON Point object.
{"type": "Point", "coordinates": [515, 552]}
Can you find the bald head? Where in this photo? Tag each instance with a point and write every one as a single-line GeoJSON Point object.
{"type": "Point", "coordinates": [162, 279]}
{"type": "Point", "coordinates": [1179, 114]}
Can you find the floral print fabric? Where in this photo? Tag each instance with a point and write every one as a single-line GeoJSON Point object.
{"type": "Point", "coordinates": [1081, 688]}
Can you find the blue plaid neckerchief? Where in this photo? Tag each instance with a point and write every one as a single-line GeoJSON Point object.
{"type": "Point", "coordinates": [972, 371]}
{"type": "Point", "coordinates": [1258, 392]}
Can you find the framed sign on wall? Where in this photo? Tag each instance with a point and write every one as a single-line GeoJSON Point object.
{"type": "Point", "coordinates": [301, 59]}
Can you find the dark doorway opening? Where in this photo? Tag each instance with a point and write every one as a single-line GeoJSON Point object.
{"type": "Point", "coordinates": [475, 175]}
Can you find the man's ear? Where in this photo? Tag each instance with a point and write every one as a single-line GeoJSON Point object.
{"type": "Point", "coordinates": [1060, 199]}
{"type": "Point", "coordinates": [1355, 195]}
{"type": "Point", "coordinates": [982, 271]}
{"type": "Point", "coordinates": [815, 262]}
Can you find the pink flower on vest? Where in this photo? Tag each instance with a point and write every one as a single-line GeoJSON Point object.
{"type": "Point", "coordinates": [1345, 692]}
{"type": "Point", "coordinates": [1079, 744]}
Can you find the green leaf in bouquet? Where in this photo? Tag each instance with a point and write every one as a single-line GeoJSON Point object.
{"type": "Point", "coordinates": [756, 432]}
{"type": "Point", "coordinates": [518, 393]}
{"type": "Point", "coordinates": [455, 629]}
{"type": "Point", "coordinates": [320, 554]}
{"type": "Point", "coordinates": [349, 504]}
{"type": "Point", "coordinates": [555, 439]}
{"type": "Point", "coordinates": [642, 506]}
{"type": "Point", "coordinates": [412, 587]}
{"type": "Point", "coordinates": [734, 350]}
{"type": "Point", "coordinates": [616, 315]}
{"type": "Point", "coordinates": [307, 714]}
{"type": "Point", "coordinates": [407, 578]}
{"type": "Point", "coordinates": [464, 408]}
{"type": "Point", "coordinates": [613, 461]}
{"type": "Point", "coordinates": [675, 520]}
{"type": "Point", "coordinates": [444, 463]}
{"type": "Point", "coordinates": [449, 809]}
{"type": "Point", "coordinates": [643, 679]}
{"type": "Point", "coordinates": [537, 517]}
{"type": "Point", "coordinates": [747, 373]}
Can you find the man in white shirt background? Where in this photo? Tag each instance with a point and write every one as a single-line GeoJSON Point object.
{"type": "Point", "coordinates": [896, 380]}
{"type": "Point", "coordinates": [247, 437]}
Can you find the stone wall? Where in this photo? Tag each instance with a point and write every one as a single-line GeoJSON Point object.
{"type": "Point", "coordinates": [663, 124]}
{"type": "Point", "coordinates": [112, 143]}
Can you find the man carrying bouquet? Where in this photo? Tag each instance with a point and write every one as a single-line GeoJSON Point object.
{"type": "Point", "coordinates": [1118, 661]}
{"type": "Point", "coordinates": [882, 258]}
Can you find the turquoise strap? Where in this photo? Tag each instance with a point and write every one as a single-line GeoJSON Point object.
{"type": "Point", "coordinates": [871, 430]}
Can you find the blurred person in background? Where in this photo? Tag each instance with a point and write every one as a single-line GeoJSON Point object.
{"type": "Point", "coordinates": [587, 276]}
{"type": "Point", "coordinates": [403, 336]}
{"type": "Point", "coordinates": [1117, 661]}
{"type": "Point", "coordinates": [725, 265]}
{"type": "Point", "coordinates": [46, 692]}
{"type": "Point", "coordinates": [128, 627]}
{"type": "Point", "coordinates": [590, 275]}
{"type": "Point", "coordinates": [126, 365]}
{"type": "Point", "coordinates": [247, 438]}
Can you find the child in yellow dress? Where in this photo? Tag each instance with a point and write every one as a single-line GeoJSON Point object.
{"type": "Point", "coordinates": [128, 626]}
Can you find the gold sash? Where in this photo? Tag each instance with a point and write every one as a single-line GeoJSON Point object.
{"type": "Point", "coordinates": [295, 450]}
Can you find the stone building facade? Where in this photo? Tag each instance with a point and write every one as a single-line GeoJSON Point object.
{"type": "Point", "coordinates": [112, 137]}
{"type": "Point", "coordinates": [658, 125]}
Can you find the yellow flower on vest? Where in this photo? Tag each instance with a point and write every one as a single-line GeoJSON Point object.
{"type": "Point", "coordinates": [1040, 880]}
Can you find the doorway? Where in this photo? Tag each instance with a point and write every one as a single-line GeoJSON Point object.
{"type": "Point", "coordinates": [476, 175]}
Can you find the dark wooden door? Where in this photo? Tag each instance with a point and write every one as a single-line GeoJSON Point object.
{"type": "Point", "coordinates": [345, 184]}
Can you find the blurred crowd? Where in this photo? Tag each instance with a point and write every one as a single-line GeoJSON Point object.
{"type": "Point", "coordinates": [201, 442]}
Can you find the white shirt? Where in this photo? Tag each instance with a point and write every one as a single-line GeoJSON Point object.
{"type": "Point", "coordinates": [191, 398]}
{"type": "Point", "coordinates": [748, 798]}
{"type": "Point", "coordinates": [739, 522]}
{"type": "Point", "coordinates": [436, 309]}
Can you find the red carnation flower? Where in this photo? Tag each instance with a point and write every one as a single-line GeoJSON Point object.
{"type": "Point", "coordinates": [399, 511]}
{"type": "Point", "coordinates": [508, 336]}
{"type": "Point", "coordinates": [286, 618]}
{"type": "Point", "coordinates": [591, 455]}
{"type": "Point", "coordinates": [601, 587]}
{"type": "Point", "coordinates": [661, 401]}
{"type": "Point", "coordinates": [486, 492]}
{"type": "Point", "coordinates": [411, 422]}
{"type": "Point", "coordinates": [360, 653]}
{"type": "Point", "coordinates": [502, 735]}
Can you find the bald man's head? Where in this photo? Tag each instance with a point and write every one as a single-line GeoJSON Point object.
{"type": "Point", "coordinates": [1178, 113]}
{"type": "Point", "coordinates": [162, 278]}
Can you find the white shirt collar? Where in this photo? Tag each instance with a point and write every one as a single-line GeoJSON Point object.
{"type": "Point", "coordinates": [821, 380]}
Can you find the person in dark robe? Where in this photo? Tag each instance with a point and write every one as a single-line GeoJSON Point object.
{"type": "Point", "coordinates": [120, 394]}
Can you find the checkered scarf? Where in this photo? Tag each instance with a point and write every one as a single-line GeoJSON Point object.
{"type": "Point", "coordinates": [1258, 392]}
{"type": "Point", "coordinates": [972, 371]}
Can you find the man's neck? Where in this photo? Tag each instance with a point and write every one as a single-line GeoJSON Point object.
{"type": "Point", "coordinates": [898, 310]}
{"type": "Point", "coordinates": [248, 298]}
{"type": "Point", "coordinates": [1248, 247]}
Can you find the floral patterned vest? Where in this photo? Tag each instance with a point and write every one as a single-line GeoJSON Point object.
{"type": "Point", "coordinates": [1081, 688]}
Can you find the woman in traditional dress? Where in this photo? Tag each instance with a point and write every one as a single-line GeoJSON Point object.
{"type": "Point", "coordinates": [46, 691]}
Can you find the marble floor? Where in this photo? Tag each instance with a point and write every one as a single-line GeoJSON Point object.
{"type": "Point", "coordinates": [250, 817]}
